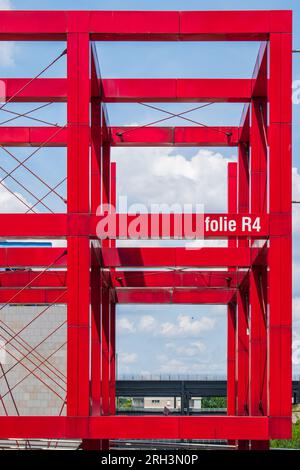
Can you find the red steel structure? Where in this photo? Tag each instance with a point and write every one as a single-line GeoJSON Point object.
{"type": "Point", "coordinates": [255, 283]}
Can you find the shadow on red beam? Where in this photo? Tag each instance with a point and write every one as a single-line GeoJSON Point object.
{"type": "Point", "coordinates": [174, 296]}
{"type": "Point", "coordinates": [174, 278]}
{"type": "Point", "coordinates": [120, 279]}
{"type": "Point", "coordinates": [185, 295]}
{"type": "Point", "coordinates": [181, 257]}
{"type": "Point", "coordinates": [140, 427]}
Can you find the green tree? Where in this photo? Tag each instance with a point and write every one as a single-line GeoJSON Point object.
{"type": "Point", "coordinates": [124, 403]}
{"type": "Point", "coordinates": [214, 402]}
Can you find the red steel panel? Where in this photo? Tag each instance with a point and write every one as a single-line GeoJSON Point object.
{"type": "Point", "coordinates": [32, 257]}
{"type": "Point", "coordinates": [174, 296]}
{"type": "Point", "coordinates": [164, 257]}
{"type": "Point", "coordinates": [11, 279]}
{"type": "Point", "coordinates": [144, 25]}
{"type": "Point", "coordinates": [280, 256]}
{"type": "Point", "coordinates": [33, 136]}
{"type": "Point", "coordinates": [232, 308]}
{"type": "Point", "coordinates": [174, 136]}
{"type": "Point", "coordinates": [33, 296]}
{"type": "Point", "coordinates": [136, 427]}
{"type": "Point", "coordinates": [177, 89]}
{"type": "Point", "coordinates": [78, 190]}
{"type": "Point", "coordinates": [132, 90]}
{"type": "Point", "coordinates": [176, 279]}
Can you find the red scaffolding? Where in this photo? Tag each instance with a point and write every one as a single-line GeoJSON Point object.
{"type": "Point", "coordinates": [256, 286]}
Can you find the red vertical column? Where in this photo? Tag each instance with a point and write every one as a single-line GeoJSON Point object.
{"type": "Point", "coordinates": [112, 330]}
{"type": "Point", "coordinates": [280, 250]}
{"type": "Point", "coordinates": [258, 320]}
{"type": "Point", "coordinates": [96, 149]}
{"type": "Point", "coordinates": [242, 298]}
{"type": "Point", "coordinates": [105, 301]}
{"type": "Point", "coordinates": [231, 309]}
{"type": "Point", "coordinates": [78, 57]}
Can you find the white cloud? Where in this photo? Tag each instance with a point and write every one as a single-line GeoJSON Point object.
{"type": "Point", "coordinates": [189, 350]}
{"type": "Point", "coordinates": [177, 366]}
{"type": "Point", "coordinates": [296, 309]}
{"type": "Point", "coordinates": [147, 323]}
{"type": "Point", "coordinates": [10, 203]}
{"type": "Point", "coordinates": [125, 325]}
{"type": "Point", "coordinates": [157, 176]}
{"type": "Point", "coordinates": [186, 326]}
{"type": "Point", "coordinates": [5, 5]}
{"type": "Point", "coordinates": [127, 358]}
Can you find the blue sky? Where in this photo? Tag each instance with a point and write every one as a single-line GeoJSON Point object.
{"type": "Point", "coordinates": [169, 339]}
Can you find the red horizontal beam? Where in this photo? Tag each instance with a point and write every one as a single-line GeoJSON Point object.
{"type": "Point", "coordinates": [39, 90]}
{"type": "Point", "coordinates": [152, 226]}
{"type": "Point", "coordinates": [131, 137]}
{"type": "Point", "coordinates": [33, 136]}
{"type": "Point", "coordinates": [175, 279]}
{"type": "Point", "coordinates": [39, 225]}
{"type": "Point", "coordinates": [182, 226]}
{"type": "Point", "coordinates": [167, 257]}
{"type": "Point", "coordinates": [33, 296]}
{"type": "Point", "coordinates": [207, 279]}
{"type": "Point", "coordinates": [147, 295]}
{"type": "Point", "coordinates": [177, 89]}
{"type": "Point", "coordinates": [132, 90]}
{"type": "Point", "coordinates": [32, 257]}
{"type": "Point", "coordinates": [174, 136]}
{"type": "Point", "coordinates": [174, 296]}
{"type": "Point", "coordinates": [144, 25]}
{"type": "Point", "coordinates": [33, 279]}
{"type": "Point", "coordinates": [135, 427]}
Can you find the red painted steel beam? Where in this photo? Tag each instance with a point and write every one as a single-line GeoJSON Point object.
{"type": "Point", "coordinates": [280, 250]}
{"type": "Point", "coordinates": [41, 225]}
{"type": "Point", "coordinates": [181, 136]}
{"type": "Point", "coordinates": [33, 136]}
{"type": "Point", "coordinates": [132, 137]}
{"type": "Point", "coordinates": [174, 296]}
{"type": "Point", "coordinates": [174, 136]}
{"type": "Point", "coordinates": [132, 90]}
{"type": "Point", "coordinates": [175, 279]}
{"type": "Point", "coordinates": [85, 224]}
{"type": "Point", "coordinates": [145, 25]}
{"type": "Point", "coordinates": [33, 296]}
{"type": "Point", "coordinates": [78, 190]}
{"type": "Point", "coordinates": [147, 226]}
{"type": "Point", "coordinates": [21, 279]}
{"type": "Point", "coordinates": [32, 257]}
{"type": "Point", "coordinates": [172, 257]}
{"type": "Point", "coordinates": [138, 427]}
{"type": "Point", "coordinates": [232, 308]}
{"type": "Point", "coordinates": [39, 90]}
{"type": "Point", "coordinates": [189, 90]}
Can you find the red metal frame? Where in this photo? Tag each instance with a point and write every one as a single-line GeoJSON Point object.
{"type": "Point", "coordinates": [257, 284]}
